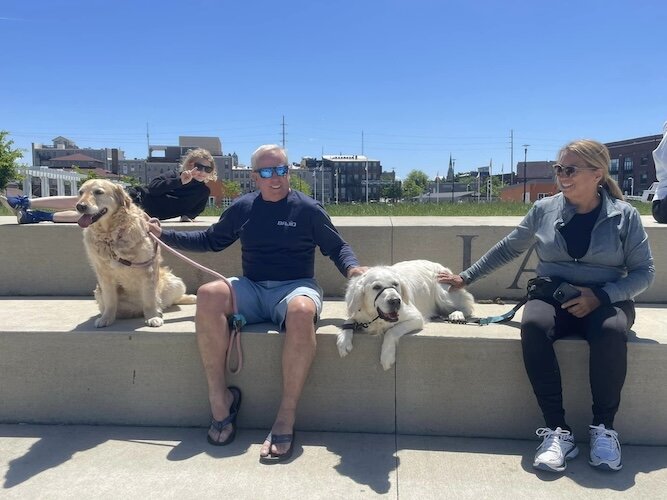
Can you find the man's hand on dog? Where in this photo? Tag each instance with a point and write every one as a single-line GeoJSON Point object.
{"type": "Point", "coordinates": [154, 227]}
{"type": "Point", "coordinates": [356, 271]}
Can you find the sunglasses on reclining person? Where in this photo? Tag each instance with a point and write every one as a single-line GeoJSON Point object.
{"type": "Point", "coordinates": [204, 168]}
{"type": "Point", "coordinates": [569, 171]}
{"type": "Point", "coordinates": [267, 172]}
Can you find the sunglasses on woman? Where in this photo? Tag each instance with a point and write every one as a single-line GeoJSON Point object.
{"type": "Point", "coordinates": [267, 172]}
{"type": "Point", "coordinates": [569, 171]}
{"type": "Point", "coordinates": [204, 168]}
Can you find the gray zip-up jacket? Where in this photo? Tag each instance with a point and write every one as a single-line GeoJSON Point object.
{"type": "Point", "coordinates": [618, 259]}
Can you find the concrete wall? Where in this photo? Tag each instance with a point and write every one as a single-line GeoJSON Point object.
{"type": "Point", "coordinates": [49, 259]}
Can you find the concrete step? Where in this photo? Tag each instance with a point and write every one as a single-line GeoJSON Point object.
{"type": "Point", "coordinates": [454, 380]}
{"type": "Point", "coordinates": [72, 462]}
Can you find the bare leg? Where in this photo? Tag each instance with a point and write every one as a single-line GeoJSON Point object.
{"type": "Point", "coordinates": [298, 354]}
{"type": "Point", "coordinates": [54, 202]}
{"type": "Point", "coordinates": [213, 304]}
{"type": "Point", "coordinates": [66, 216]}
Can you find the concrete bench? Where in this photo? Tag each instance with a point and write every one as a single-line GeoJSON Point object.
{"type": "Point", "coordinates": [453, 380]}
{"type": "Point", "coordinates": [49, 259]}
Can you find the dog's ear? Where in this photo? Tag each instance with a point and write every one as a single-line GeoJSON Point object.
{"type": "Point", "coordinates": [354, 295]}
{"type": "Point", "coordinates": [406, 295]}
{"type": "Point", "coordinates": [121, 196]}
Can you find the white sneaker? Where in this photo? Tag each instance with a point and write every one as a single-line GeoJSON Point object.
{"type": "Point", "coordinates": [605, 448]}
{"type": "Point", "coordinates": [557, 447]}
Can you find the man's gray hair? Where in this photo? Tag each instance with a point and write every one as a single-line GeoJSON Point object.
{"type": "Point", "coordinates": [266, 148]}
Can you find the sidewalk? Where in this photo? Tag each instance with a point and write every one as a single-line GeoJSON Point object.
{"type": "Point", "coordinates": [63, 462]}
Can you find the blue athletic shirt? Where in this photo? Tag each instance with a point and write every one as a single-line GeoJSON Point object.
{"type": "Point", "coordinates": [278, 239]}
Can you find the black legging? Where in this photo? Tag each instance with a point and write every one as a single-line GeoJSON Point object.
{"type": "Point", "coordinates": [659, 209]}
{"type": "Point", "coordinates": [605, 329]}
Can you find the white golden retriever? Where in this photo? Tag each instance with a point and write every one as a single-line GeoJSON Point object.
{"type": "Point", "coordinates": [399, 299]}
{"type": "Point", "coordinates": [130, 280]}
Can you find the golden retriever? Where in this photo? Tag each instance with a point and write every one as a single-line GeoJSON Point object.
{"type": "Point", "coordinates": [395, 300]}
{"type": "Point", "coordinates": [126, 261]}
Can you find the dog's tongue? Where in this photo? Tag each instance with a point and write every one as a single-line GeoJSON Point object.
{"type": "Point", "coordinates": [391, 317]}
{"type": "Point", "coordinates": [85, 220]}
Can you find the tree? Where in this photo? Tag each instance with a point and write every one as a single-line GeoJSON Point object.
{"type": "Point", "coordinates": [418, 178]}
{"type": "Point", "coordinates": [230, 189]}
{"type": "Point", "coordinates": [495, 187]}
{"type": "Point", "coordinates": [415, 184]}
{"type": "Point", "coordinates": [8, 156]}
{"type": "Point", "coordinates": [411, 189]}
{"type": "Point", "coordinates": [393, 191]}
{"type": "Point", "coordinates": [299, 184]}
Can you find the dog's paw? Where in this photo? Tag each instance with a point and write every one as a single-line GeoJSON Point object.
{"type": "Point", "coordinates": [103, 321]}
{"type": "Point", "coordinates": [344, 342]}
{"type": "Point", "coordinates": [387, 360]}
{"type": "Point", "coordinates": [457, 317]}
{"type": "Point", "coordinates": [155, 321]}
{"type": "Point", "coordinates": [388, 354]}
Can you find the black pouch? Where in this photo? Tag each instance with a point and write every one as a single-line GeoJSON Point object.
{"type": "Point", "coordinates": [543, 287]}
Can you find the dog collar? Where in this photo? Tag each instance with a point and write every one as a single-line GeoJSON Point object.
{"type": "Point", "coordinates": [145, 263]}
{"type": "Point", "coordinates": [357, 326]}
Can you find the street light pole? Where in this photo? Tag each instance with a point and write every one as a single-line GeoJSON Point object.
{"type": "Point", "coordinates": [452, 161]}
{"type": "Point", "coordinates": [525, 158]}
{"type": "Point", "coordinates": [632, 186]}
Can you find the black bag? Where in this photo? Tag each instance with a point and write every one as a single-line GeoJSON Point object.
{"type": "Point", "coordinates": [542, 287]}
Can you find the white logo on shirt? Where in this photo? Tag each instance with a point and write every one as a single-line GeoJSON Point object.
{"type": "Point", "coordinates": [290, 223]}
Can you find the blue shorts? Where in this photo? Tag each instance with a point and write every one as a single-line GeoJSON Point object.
{"type": "Point", "coordinates": [261, 301]}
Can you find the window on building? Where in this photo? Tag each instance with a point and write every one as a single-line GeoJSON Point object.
{"type": "Point", "coordinates": [613, 166]}
{"type": "Point", "coordinates": [627, 164]}
{"type": "Point", "coordinates": [644, 160]}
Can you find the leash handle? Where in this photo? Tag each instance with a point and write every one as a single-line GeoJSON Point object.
{"type": "Point", "coordinates": [238, 320]}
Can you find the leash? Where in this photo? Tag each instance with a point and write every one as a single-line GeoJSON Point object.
{"type": "Point", "coordinates": [236, 322]}
{"type": "Point", "coordinates": [501, 318]}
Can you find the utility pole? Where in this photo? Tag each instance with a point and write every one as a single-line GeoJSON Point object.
{"type": "Point", "coordinates": [283, 131]}
{"type": "Point", "coordinates": [148, 153]}
{"type": "Point", "coordinates": [366, 168]}
{"type": "Point", "coordinates": [512, 156]}
{"type": "Point", "coordinates": [525, 157]}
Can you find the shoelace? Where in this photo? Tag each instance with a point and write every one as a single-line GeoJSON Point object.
{"type": "Point", "coordinates": [551, 437]}
{"type": "Point", "coordinates": [605, 438]}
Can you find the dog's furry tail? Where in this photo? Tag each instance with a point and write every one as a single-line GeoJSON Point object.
{"type": "Point", "coordinates": [186, 298]}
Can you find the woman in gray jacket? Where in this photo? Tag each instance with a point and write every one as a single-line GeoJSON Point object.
{"type": "Point", "coordinates": [587, 236]}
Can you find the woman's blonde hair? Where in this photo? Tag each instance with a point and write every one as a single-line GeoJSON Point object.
{"type": "Point", "coordinates": [199, 154]}
{"type": "Point", "coordinates": [596, 155]}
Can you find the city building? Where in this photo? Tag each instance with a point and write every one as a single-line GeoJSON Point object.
{"type": "Point", "coordinates": [533, 180]}
{"type": "Point", "coordinates": [64, 153]}
{"type": "Point", "coordinates": [355, 178]}
{"type": "Point", "coordinates": [632, 165]}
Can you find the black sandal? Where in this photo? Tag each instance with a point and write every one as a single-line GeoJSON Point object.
{"type": "Point", "coordinates": [218, 425]}
{"type": "Point", "coordinates": [274, 458]}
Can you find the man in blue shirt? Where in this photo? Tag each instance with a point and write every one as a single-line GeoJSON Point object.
{"type": "Point", "coordinates": [279, 229]}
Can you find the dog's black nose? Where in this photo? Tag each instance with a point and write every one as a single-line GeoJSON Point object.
{"type": "Point", "coordinates": [81, 207]}
{"type": "Point", "coordinates": [394, 303]}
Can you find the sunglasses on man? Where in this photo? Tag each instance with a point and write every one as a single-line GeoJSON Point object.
{"type": "Point", "coordinates": [204, 168]}
{"type": "Point", "coordinates": [267, 172]}
{"type": "Point", "coordinates": [569, 171]}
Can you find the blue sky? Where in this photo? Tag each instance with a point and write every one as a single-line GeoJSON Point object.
{"type": "Point", "coordinates": [422, 79]}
